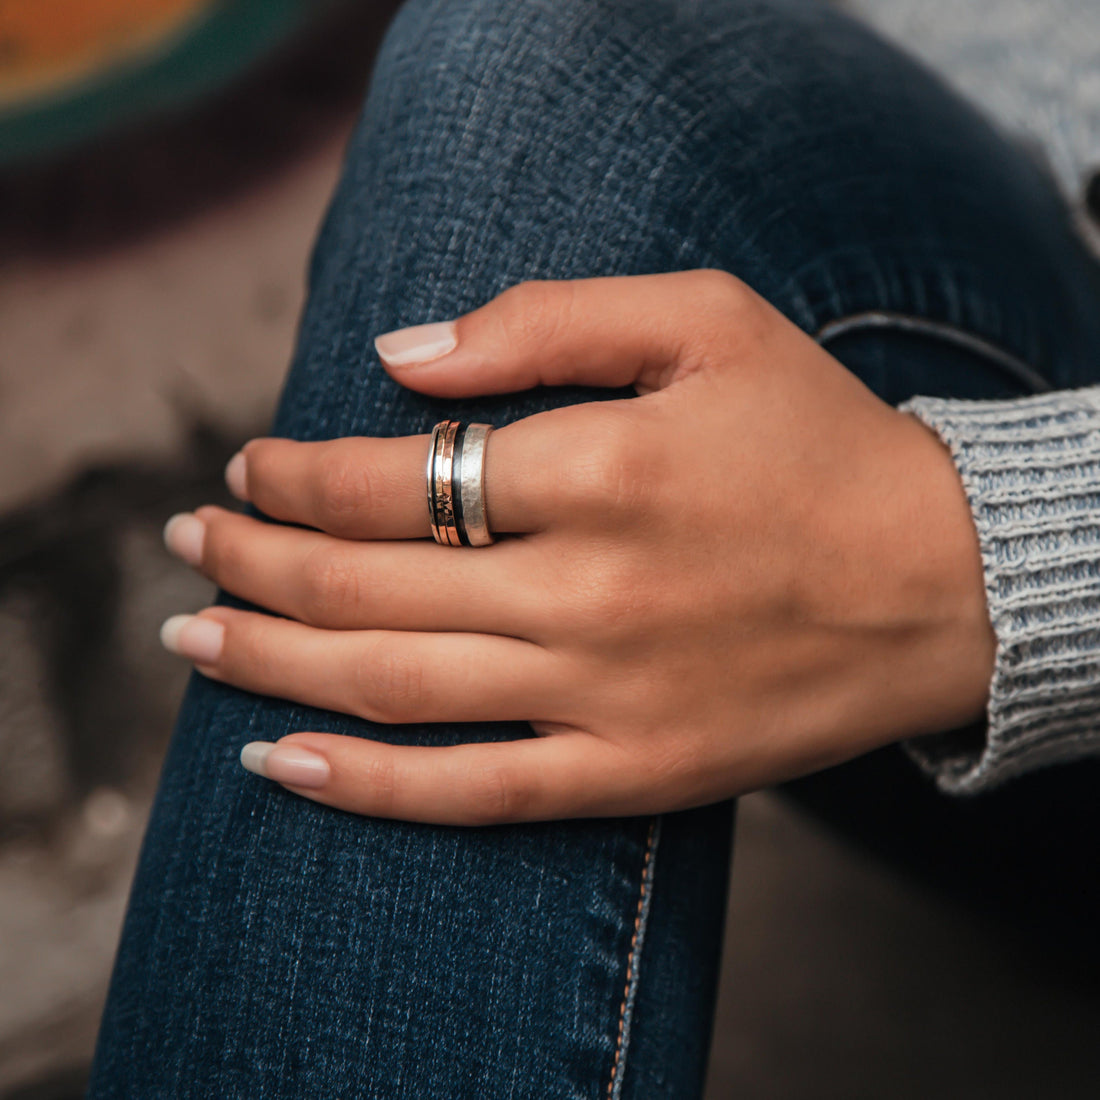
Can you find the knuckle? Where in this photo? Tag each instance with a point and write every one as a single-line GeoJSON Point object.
{"type": "Point", "coordinates": [224, 557]}
{"type": "Point", "coordinates": [729, 309]}
{"type": "Point", "coordinates": [331, 584]}
{"type": "Point", "coordinates": [379, 776]}
{"type": "Point", "coordinates": [345, 486]}
{"type": "Point", "coordinates": [615, 598]}
{"type": "Point", "coordinates": [602, 598]}
{"type": "Point", "coordinates": [497, 795]}
{"type": "Point", "coordinates": [245, 650]}
{"type": "Point", "coordinates": [534, 311]}
{"type": "Point", "coordinates": [717, 288]}
{"type": "Point", "coordinates": [674, 759]}
{"type": "Point", "coordinates": [727, 319]}
{"type": "Point", "coordinates": [609, 471]}
{"type": "Point", "coordinates": [390, 685]}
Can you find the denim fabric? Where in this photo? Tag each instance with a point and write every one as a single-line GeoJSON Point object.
{"type": "Point", "coordinates": [277, 948]}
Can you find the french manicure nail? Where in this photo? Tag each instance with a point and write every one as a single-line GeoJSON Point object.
{"type": "Point", "coordinates": [236, 476]}
{"type": "Point", "coordinates": [289, 764]}
{"type": "Point", "coordinates": [183, 535]}
{"type": "Point", "coordinates": [199, 640]}
{"type": "Point", "coordinates": [253, 756]}
{"type": "Point", "coordinates": [409, 347]}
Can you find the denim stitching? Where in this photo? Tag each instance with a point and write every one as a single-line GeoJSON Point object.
{"type": "Point", "coordinates": [1010, 364]}
{"type": "Point", "coordinates": [637, 940]}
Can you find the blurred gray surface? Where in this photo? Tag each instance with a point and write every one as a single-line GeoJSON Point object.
{"type": "Point", "coordinates": [144, 336]}
{"type": "Point", "coordinates": [1031, 66]}
{"type": "Point", "coordinates": [843, 980]}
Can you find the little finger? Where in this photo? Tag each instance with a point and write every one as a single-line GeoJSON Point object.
{"type": "Point", "coordinates": [572, 774]}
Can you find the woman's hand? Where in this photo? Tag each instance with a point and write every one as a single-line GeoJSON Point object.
{"type": "Point", "coordinates": [751, 571]}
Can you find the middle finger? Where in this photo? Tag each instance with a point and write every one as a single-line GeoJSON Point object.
{"type": "Point", "coordinates": [342, 585]}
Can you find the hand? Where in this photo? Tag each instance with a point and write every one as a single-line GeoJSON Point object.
{"type": "Point", "coordinates": [751, 571]}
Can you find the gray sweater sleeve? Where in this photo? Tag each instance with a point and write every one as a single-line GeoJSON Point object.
{"type": "Point", "coordinates": [1031, 471]}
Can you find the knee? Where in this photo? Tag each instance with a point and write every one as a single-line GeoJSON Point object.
{"type": "Point", "coordinates": [608, 136]}
{"type": "Point", "coordinates": [474, 63]}
{"type": "Point", "coordinates": [657, 123]}
{"type": "Point", "coordinates": [487, 65]}
{"type": "Point", "coordinates": [591, 94]}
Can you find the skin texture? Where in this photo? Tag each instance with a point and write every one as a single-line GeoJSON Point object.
{"type": "Point", "coordinates": [753, 570]}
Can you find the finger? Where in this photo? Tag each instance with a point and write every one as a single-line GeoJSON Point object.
{"type": "Point", "coordinates": [354, 488]}
{"type": "Point", "coordinates": [382, 675]}
{"type": "Point", "coordinates": [346, 585]}
{"type": "Point", "coordinates": [370, 488]}
{"type": "Point", "coordinates": [565, 775]}
{"type": "Point", "coordinates": [640, 329]}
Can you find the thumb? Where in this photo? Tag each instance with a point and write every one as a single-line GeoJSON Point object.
{"type": "Point", "coordinates": [619, 331]}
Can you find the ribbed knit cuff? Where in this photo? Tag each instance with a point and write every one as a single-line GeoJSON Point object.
{"type": "Point", "coordinates": [1031, 470]}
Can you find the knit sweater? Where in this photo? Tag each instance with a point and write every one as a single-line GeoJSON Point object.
{"type": "Point", "coordinates": [1030, 467]}
{"type": "Point", "coordinates": [1031, 471]}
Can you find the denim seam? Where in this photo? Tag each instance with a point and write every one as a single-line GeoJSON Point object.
{"type": "Point", "coordinates": [633, 963]}
{"type": "Point", "coordinates": [1019, 370]}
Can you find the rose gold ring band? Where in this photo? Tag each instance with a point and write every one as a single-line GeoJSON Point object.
{"type": "Point", "coordinates": [456, 484]}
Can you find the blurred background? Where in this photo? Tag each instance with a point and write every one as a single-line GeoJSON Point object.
{"type": "Point", "coordinates": [163, 167]}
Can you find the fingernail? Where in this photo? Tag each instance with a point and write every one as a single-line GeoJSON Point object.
{"type": "Point", "coordinates": [183, 535]}
{"type": "Point", "coordinates": [199, 640]}
{"type": "Point", "coordinates": [236, 476]}
{"type": "Point", "coordinates": [289, 764]}
{"type": "Point", "coordinates": [409, 347]}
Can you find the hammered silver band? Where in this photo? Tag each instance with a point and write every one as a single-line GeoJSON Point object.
{"type": "Point", "coordinates": [456, 484]}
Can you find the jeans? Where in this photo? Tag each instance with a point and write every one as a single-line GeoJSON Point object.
{"type": "Point", "coordinates": [277, 948]}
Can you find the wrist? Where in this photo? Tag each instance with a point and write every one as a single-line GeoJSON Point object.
{"type": "Point", "coordinates": [944, 562]}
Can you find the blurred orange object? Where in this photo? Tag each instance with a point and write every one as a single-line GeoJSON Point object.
{"type": "Point", "coordinates": [47, 45]}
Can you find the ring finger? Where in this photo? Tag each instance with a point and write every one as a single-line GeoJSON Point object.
{"type": "Point", "coordinates": [375, 488]}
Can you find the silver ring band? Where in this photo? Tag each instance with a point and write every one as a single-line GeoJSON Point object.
{"type": "Point", "coordinates": [471, 486]}
{"type": "Point", "coordinates": [456, 484]}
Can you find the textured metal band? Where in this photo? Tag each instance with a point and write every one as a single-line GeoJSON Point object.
{"type": "Point", "coordinates": [445, 509]}
{"type": "Point", "coordinates": [471, 488]}
{"type": "Point", "coordinates": [456, 484]}
{"type": "Point", "coordinates": [433, 452]}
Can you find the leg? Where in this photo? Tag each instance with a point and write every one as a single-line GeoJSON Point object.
{"type": "Point", "coordinates": [276, 948]}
